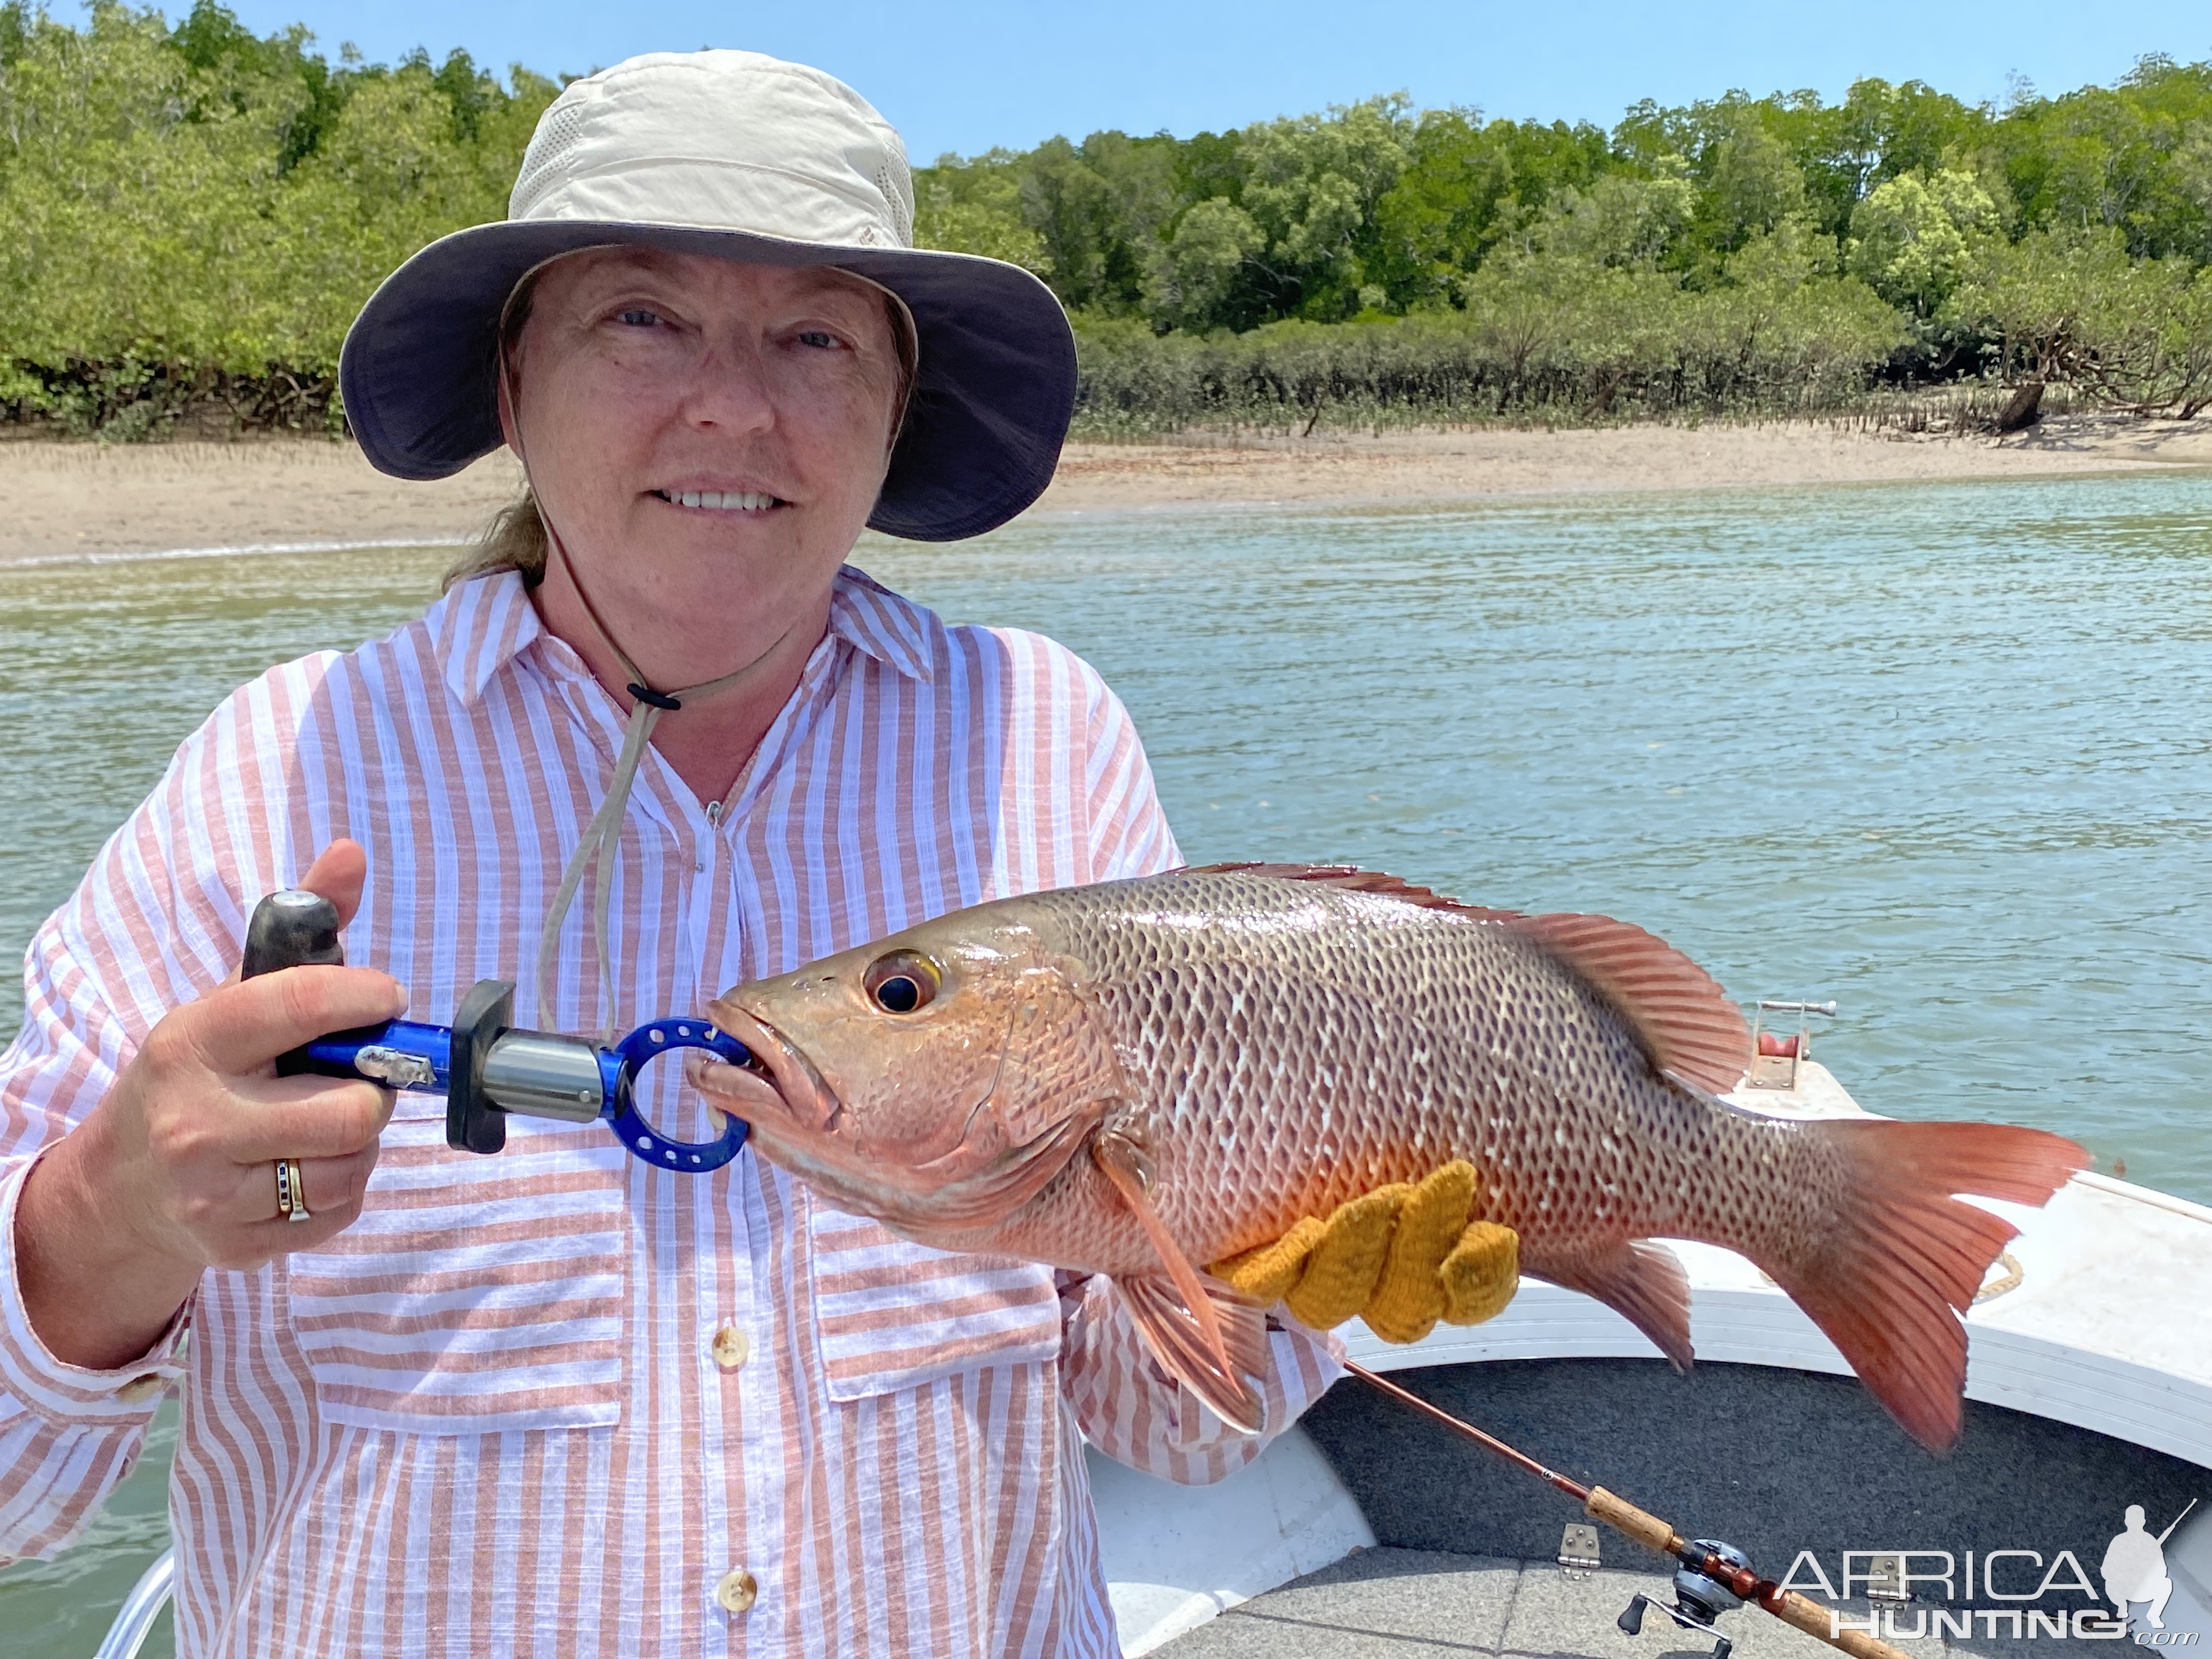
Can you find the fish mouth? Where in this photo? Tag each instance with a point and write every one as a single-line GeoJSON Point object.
{"type": "Point", "coordinates": [781, 1083]}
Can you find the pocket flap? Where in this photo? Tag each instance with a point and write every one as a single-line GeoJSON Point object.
{"type": "Point", "coordinates": [890, 1314]}
{"type": "Point", "coordinates": [474, 1295]}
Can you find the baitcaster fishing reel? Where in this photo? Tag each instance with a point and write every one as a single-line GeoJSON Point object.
{"type": "Point", "coordinates": [1698, 1599]}
{"type": "Point", "coordinates": [484, 1067]}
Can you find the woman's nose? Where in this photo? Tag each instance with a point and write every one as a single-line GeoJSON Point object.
{"type": "Point", "coordinates": [728, 389]}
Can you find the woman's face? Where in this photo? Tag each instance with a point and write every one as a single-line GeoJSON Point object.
{"type": "Point", "coordinates": [707, 438]}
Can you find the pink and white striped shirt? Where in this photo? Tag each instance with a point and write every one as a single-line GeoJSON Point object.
{"type": "Point", "coordinates": [545, 1401]}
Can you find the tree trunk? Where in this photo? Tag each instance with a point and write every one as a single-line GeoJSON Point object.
{"type": "Point", "coordinates": [2024, 409]}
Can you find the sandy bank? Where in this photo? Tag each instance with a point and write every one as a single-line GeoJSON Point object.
{"type": "Point", "coordinates": [61, 498]}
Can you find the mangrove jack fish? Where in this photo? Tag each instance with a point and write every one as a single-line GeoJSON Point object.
{"type": "Point", "coordinates": [1131, 1077]}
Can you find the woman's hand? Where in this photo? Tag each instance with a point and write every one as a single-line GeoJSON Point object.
{"type": "Point", "coordinates": [175, 1171]}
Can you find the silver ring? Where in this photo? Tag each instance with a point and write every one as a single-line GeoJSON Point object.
{"type": "Point", "coordinates": [291, 1190]}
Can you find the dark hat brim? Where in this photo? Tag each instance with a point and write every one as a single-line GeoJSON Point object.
{"type": "Point", "coordinates": [985, 422]}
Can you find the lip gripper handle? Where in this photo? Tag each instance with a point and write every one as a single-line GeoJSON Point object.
{"type": "Point", "coordinates": [292, 928]}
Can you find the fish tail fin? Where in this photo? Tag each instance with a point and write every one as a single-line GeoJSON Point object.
{"type": "Point", "coordinates": [1903, 1256]}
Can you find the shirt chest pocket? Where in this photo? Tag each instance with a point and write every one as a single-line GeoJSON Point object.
{"type": "Point", "coordinates": [889, 1315]}
{"type": "Point", "coordinates": [474, 1295]}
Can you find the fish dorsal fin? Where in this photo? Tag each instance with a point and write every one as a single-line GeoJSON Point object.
{"type": "Point", "coordinates": [1203, 1331]}
{"type": "Point", "coordinates": [1353, 878]}
{"type": "Point", "coordinates": [1688, 1022]}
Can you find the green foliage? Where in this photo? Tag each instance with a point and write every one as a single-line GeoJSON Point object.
{"type": "Point", "coordinates": [2136, 158]}
{"type": "Point", "coordinates": [1535, 334]}
{"type": "Point", "coordinates": [975, 207]}
{"type": "Point", "coordinates": [194, 215]}
{"type": "Point", "coordinates": [1374, 206]}
{"type": "Point", "coordinates": [191, 215]}
{"type": "Point", "coordinates": [1620, 220]}
{"type": "Point", "coordinates": [1467, 186]}
{"type": "Point", "coordinates": [1913, 236]}
{"type": "Point", "coordinates": [2070, 305]}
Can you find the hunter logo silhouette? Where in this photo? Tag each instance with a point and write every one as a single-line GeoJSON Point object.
{"type": "Point", "coordinates": [2135, 1567]}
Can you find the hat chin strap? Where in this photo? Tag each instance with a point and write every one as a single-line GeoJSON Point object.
{"type": "Point", "coordinates": [602, 838]}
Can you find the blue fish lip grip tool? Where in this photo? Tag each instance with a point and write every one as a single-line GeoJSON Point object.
{"type": "Point", "coordinates": [485, 1068]}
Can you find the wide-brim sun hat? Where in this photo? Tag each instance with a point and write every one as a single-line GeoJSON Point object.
{"type": "Point", "coordinates": [745, 156]}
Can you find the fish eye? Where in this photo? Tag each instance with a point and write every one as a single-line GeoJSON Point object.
{"type": "Point", "coordinates": [902, 982]}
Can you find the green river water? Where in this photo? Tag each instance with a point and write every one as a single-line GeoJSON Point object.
{"type": "Point", "coordinates": [1940, 752]}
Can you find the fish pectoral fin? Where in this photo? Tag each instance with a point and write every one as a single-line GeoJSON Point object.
{"type": "Point", "coordinates": [1212, 1308]}
{"type": "Point", "coordinates": [1187, 1353]}
{"type": "Point", "coordinates": [1641, 1280]}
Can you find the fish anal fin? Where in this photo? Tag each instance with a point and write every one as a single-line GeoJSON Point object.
{"type": "Point", "coordinates": [1641, 1280]}
{"type": "Point", "coordinates": [1687, 1021]}
{"type": "Point", "coordinates": [1353, 878]}
{"type": "Point", "coordinates": [1185, 1351]}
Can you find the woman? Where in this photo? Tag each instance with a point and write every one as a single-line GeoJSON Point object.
{"type": "Point", "coordinates": [655, 740]}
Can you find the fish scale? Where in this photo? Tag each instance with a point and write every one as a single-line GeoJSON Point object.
{"type": "Point", "coordinates": [1138, 1077]}
{"type": "Point", "coordinates": [1529, 1076]}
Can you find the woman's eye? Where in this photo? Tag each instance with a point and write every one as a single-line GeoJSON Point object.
{"type": "Point", "coordinates": [637, 316]}
{"type": "Point", "coordinates": [821, 338]}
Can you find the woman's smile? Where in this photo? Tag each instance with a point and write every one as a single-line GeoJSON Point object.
{"type": "Point", "coordinates": [751, 503]}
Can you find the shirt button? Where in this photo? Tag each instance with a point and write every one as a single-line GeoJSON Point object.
{"type": "Point", "coordinates": [139, 1390]}
{"type": "Point", "coordinates": [730, 1347]}
{"type": "Point", "coordinates": [737, 1591]}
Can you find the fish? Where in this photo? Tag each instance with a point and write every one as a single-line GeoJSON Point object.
{"type": "Point", "coordinates": [1137, 1077]}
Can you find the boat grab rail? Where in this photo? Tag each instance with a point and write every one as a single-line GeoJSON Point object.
{"type": "Point", "coordinates": [134, 1619]}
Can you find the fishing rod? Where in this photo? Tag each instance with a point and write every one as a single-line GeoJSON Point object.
{"type": "Point", "coordinates": [1710, 1577]}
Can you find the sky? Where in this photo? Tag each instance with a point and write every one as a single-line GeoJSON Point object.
{"type": "Point", "coordinates": [966, 74]}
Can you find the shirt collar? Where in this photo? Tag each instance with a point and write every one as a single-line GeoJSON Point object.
{"type": "Point", "coordinates": [870, 619]}
{"type": "Point", "coordinates": [483, 625]}
{"type": "Point", "coordinates": [479, 626]}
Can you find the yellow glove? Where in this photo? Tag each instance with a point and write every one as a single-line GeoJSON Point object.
{"type": "Point", "coordinates": [1402, 1256]}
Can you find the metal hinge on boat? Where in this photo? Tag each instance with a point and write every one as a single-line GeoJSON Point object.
{"type": "Point", "coordinates": [1885, 1579]}
{"type": "Point", "coordinates": [1578, 1550]}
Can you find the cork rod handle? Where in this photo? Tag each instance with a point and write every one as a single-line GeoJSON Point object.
{"type": "Point", "coordinates": [1819, 1622]}
{"type": "Point", "coordinates": [1788, 1606]}
{"type": "Point", "coordinates": [1622, 1516]}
